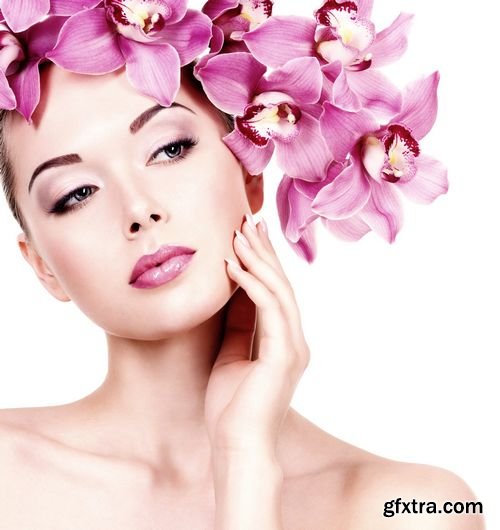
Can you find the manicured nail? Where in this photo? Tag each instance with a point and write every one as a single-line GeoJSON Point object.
{"type": "Point", "coordinates": [242, 238]}
{"type": "Point", "coordinates": [232, 264]}
{"type": "Point", "coordinates": [263, 224]}
{"type": "Point", "coordinates": [251, 222]}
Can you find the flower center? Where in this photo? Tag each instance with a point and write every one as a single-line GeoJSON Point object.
{"type": "Point", "coordinates": [265, 119]}
{"type": "Point", "coordinates": [334, 13]}
{"type": "Point", "coordinates": [401, 149]}
{"type": "Point", "coordinates": [393, 157]}
{"type": "Point", "coordinates": [342, 36]}
{"type": "Point", "coordinates": [147, 16]}
{"type": "Point", "coordinates": [256, 11]}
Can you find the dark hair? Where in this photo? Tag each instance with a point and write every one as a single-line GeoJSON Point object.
{"type": "Point", "coordinates": [7, 174]}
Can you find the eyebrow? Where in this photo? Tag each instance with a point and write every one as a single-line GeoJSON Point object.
{"type": "Point", "coordinates": [74, 158]}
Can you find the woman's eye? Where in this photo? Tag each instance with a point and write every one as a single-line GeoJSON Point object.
{"type": "Point", "coordinates": [79, 195]}
{"type": "Point", "coordinates": [173, 151]}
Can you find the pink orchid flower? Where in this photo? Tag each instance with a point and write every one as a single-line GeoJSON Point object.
{"type": "Point", "coordinates": [294, 198]}
{"type": "Point", "coordinates": [344, 41]}
{"type": "Point", "coordinates": [20, 57]}
{"type": "Point", "coordinates": [272, 113]}
{"type": "Point", "coordinates": [70, 7]}
{"type": "Point", "coordinates": [153, 38]}
{"type": "Point", "coordinates": [21, 14]}
{"type": "Point", "coordinates": [382, 160]}
{"type": "Point", "coordinates": [232, 19]}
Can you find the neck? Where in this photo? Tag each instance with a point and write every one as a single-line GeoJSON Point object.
{"type": "Point", "coordinates": [152, 400]}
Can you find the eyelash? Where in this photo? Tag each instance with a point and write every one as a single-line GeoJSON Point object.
{"type": "Point", "coordinates": [186, 144]}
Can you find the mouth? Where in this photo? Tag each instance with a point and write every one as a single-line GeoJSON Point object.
{"type": "Point", "coordinates": [165, 264]}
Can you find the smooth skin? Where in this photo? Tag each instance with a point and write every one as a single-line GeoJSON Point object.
{"type": "Point", "coordinates": [192, 427]}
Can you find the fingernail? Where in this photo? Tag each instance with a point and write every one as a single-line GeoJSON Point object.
{"type": "Point", "coordinates": [242, 238]}
{"type": "Point", "coordinates": [264, 225]}
{"type": "Point", "coordinates": [251, 222]}
{"type": "Point", "coordinates": [232, 263]}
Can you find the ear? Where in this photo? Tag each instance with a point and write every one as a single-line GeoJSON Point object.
{"type": "Point", "coordinates": [254, 185]}
{"type": "Point", "coordinates": [42, 270]}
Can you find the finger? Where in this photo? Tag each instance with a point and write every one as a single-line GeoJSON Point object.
{"type": "Point", "coordinates": [263, 271]}
{"type": "Point", "coordinates": [239, 329]}
{"type": "Point", "coordinates": [272, 318]}
{"type": "Point", "coordinates": [275, 283]}
{"type": "Point", "coordinates": [262, 244]}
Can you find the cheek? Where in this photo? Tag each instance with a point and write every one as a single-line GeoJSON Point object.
{"type": "Point", "coordinates": [78, 260]}
{"type": "Point", "coordinates": [204, 215]}
{"type": "Point", "coordinates": [220, 194]}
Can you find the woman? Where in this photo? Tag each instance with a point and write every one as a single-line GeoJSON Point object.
{"type": "Point", "coordinates": [192, 427]}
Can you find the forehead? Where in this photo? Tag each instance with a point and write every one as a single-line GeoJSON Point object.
{"type": "Point", "coordinates": [72, 105]}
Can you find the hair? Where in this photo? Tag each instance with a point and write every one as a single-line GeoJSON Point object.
{"type": "Point", "coordinates": [7, 174]}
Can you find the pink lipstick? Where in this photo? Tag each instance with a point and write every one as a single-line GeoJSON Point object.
{"type": "Point", "coordinates": [153, 270]}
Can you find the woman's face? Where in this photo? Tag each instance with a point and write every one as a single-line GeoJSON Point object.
{"type": "Point", "coordinates": [131, 197]}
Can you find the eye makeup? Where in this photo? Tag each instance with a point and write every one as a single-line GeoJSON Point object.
{"type": "Point", "coordinates": [173, 152]}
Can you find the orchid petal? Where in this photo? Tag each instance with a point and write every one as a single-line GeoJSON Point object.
{"type": "Point", "coordinates": [419, 109]}
{"type": "Point", "coordinates": [86, 45]}
{"type": "Point", "coordinates": [364, 8]}
{"type": "Point", "coordinates": [295, 219]}
{"type": "Point", "coordinates": [231, 93]}
{"type": "Point", "coordinates": [311, 189]}
{"type": "Point", "coordinates": [21, 14]}
{"type": "Point", "coordinates": [178, 9]}
{"type": "Point", "coordinates": [391, 43]}
{"type": "Point", "coordinates": [71, 7]}
{"type": "Point", "coordinates": [26, 87]}
{"type": "Point", "coordinates": [253, 158]}
{"type": "Point", "coordinates": [217, 41]}
{"type": "Point", "coordinates": [41, 38]}
{"type": "Point", "coordinates": [299, 78]}
{"type": "Point", "coordinates": [290, 199]}
{"type": "Point", "coordinates": [352, 229]}
{"type": "Point", "coordinates": [190, 36]}
{"type": "Point", "coordinates": [341, 94]}
{"type": "Point", "coordinates": [430, 181]}
{"type": "Point", "coordinates": [306, 156]}
{"type": "Point", "coordinates": [215, 8]}
{"type": "Point", "coordinates": [383, 211]}
{"type": "Point", "coordinates": [375, 92]}
{"type": "Point", "coordinates": [346, 195]}
{"type": "Point", "coordinates": [342, 129]}
{"type": "Point", "coordinates": [7, 96]}
{"type": "Point", "coordinates": [306, 247]}
{"type": "Point", "coordinates": [280, 39]}
{"type": "Point", "coordinates": [153, 69]}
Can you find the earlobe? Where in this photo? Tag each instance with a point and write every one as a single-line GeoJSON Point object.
{"type": "Point", "coordinates": [254, 185]}
{"type": "Point", "coordinates": [42, 270]}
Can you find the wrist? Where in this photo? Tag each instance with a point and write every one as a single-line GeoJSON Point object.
{"type": "Point", "coordinates": [248, 490]}
{"type": "Point", "coordinates": [240, 464]}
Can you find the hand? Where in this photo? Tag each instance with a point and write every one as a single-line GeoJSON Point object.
{"type": "Point", "coordinates": [247, 400]}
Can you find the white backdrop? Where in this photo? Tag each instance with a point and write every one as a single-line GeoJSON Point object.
{"type": "Point", "coordinates": [403, 336]}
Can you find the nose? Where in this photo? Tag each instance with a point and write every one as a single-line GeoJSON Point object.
{"type": "Point", "coordinates": [143, 214]}
{"type": "Point", "coordinates": [138, 225]}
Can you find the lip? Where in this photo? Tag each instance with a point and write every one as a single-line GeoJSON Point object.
{"type": "Point", "coordinates": [164, 265]}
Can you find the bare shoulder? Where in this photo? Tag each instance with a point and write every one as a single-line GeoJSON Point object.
{"type": "Point", "coordinates": [354, 489]}
{"type": "Point", "coordinates": [388, 494]}
{"type": "Point", "coordinates": [18, 433]}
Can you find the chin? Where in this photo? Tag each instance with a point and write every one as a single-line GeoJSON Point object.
{"type": "Point", "coordinates": [159, 314]}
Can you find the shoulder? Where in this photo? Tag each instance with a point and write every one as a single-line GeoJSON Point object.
{"type": "Point", "coordinates": [23, 444]}
{"type": "Point", "coordinates": [385, 495]}
{"type": "Point", "coordinates": [357, 489]}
